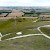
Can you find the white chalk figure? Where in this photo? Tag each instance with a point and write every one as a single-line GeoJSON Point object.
{"type": "Point", "coordinates": [35, 21]}
{"type": "Point", "coordinates": [19, 33]}
{"type": "Point", "coordinates": [0, 36]}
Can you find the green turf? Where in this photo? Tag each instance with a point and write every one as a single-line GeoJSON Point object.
{"type": "Point", "coordinates": [10, 26]}
{"type": "Point", "coordinates": [27, 43]}
{"type": "Point", "coordinates": [9, 36]}
{"type": "Point", "coordinates": [45, 30]}
{"type": "Point", "coordinates": [30, 31]}
{"type": "Point", "coordinates": [30, 15]}
{"type": "Point", "coordinates": [6, 27]}
{"type": "Point", "coordinates": [40, 23]}
{"type": "Point", "coordinates": [24, 32]}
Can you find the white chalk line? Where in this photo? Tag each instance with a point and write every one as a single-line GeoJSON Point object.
{"type": "Point", "coordinates": [35, 21]}
{"type": "Point", "coordinates": [27, 36]}
{"type": "Point", "coordinates": [42, 32]}
{"type": "Point", "coordinates": [6, 34]}
{"type": "Point", "coordinates": [24, 36]}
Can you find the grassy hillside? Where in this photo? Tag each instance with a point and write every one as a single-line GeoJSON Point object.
{"type": "Point", "coordinates": [20, 25]}
{"type": "Point", "coordinates": [45, 30]}
{"type": "Point", "coordinates": [27, 43]}
{"type": "Point", "coordinates": [11, 25]}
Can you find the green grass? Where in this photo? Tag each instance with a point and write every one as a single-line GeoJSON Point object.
{"type": "Point", "coordinates": [30, 15]}
{"type": "Point", "coordinates": [27, 43]}
{"type": "Point", "coordinates": [35, 31]}
{"type": "Point", "coordinates": [6, 27]}
{"type": "Point", "coordinates": [24, 24]}
{"type": "Point", "coordinates": [45, 30]}
{"type": "Point", "coordinates": [24, 32]}
{"type": "Point", "coordinates": [40, 23]}
{"type": "Point", "coordinates": [9, 36]}
{"type": "Point", "coordinates": [10, 26]}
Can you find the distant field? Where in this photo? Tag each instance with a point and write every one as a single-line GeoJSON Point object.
{"type": "Point", "coordinates": [3, 14]}
{"type": "Point", "coordinates": [18, 14]}
{"type": "Point", "coordinates": [30, 15]}
{"type": "Point", "coordinates": [45, 30]}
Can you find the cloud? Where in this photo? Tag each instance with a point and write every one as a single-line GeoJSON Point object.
{"type": "Point", "coordinates": [24, 2]}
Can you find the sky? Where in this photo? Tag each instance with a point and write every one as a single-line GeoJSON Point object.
{"type": "Point", "coordinates": [24, 2]}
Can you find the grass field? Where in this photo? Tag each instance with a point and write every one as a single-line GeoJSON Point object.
{"type": "Point", "coordinates": [26, 26]}
{"type": "Point", "coordinates": [27, 43]}
{"type": "Point", "coordinates": [10, 25]}
{"type": "Point", "coordinates": [9, 36]}
{"type": "Point", "coordinates": [20, 25]}
{"type": "Point", "coordinates": [45, 30]}
{"type": "Point", "coordinates": [30, 15]}
{"type": "Point", "coordinates": [31, 31]}
{"type": "Point", "coordinates": [24, 32]}
{"type": "Point", "coordinates": [13, 26]}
